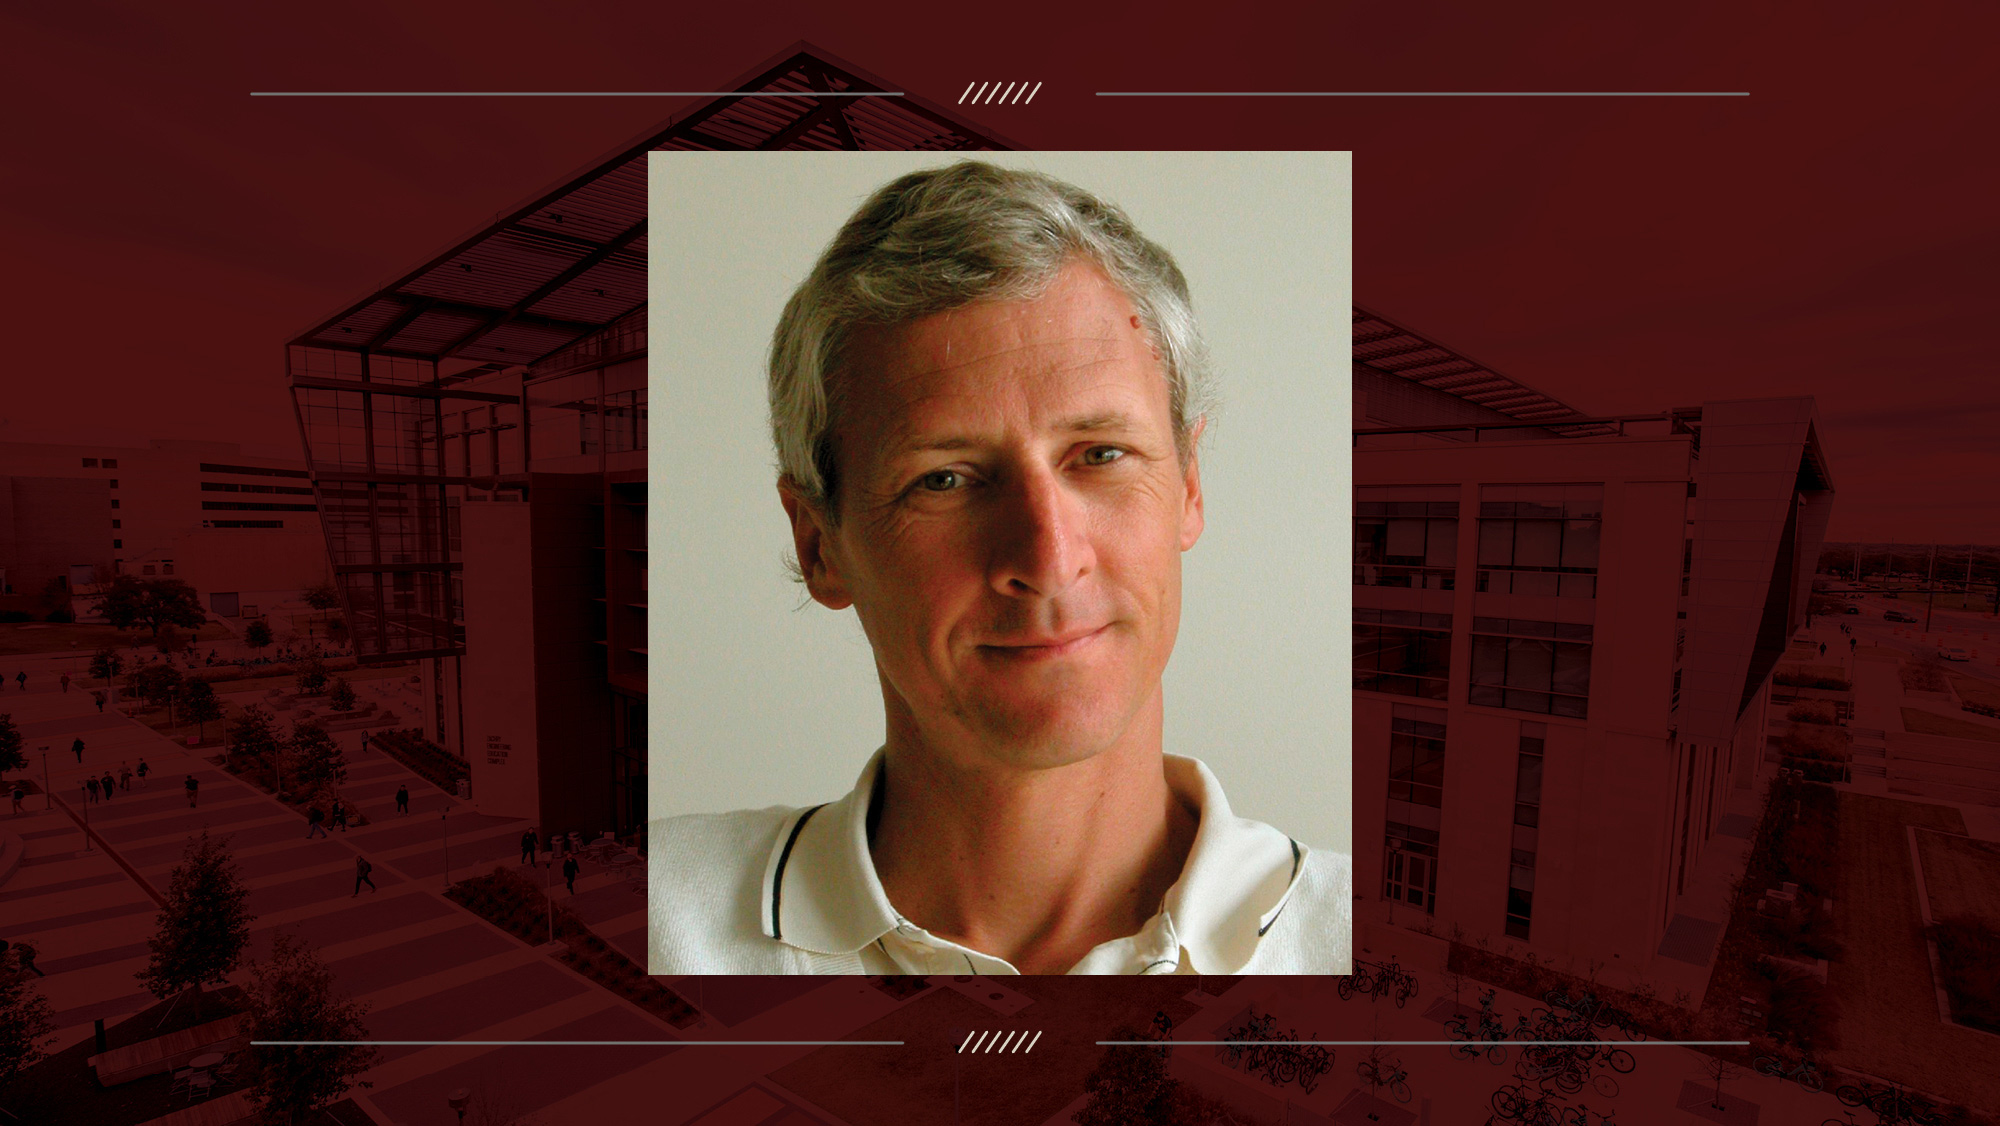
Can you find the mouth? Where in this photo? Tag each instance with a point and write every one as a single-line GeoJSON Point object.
{"type": "Point", "coordinates": [1045, 648]}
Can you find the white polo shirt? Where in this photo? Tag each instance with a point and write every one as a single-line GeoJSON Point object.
{"type": "Point", "coordinates": [787, 891]}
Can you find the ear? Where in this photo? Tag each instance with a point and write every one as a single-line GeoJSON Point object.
{"type": "Point", "coordinates": [812, 540]}
{"type": "Point", "coordinates": [1192, 519]}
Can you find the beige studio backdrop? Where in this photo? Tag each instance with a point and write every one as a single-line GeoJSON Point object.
{"type": "Point", "coordinates": [758, 700]}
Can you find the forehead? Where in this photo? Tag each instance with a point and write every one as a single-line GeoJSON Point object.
{"type": "Point", "coordinates": [1079, 342]}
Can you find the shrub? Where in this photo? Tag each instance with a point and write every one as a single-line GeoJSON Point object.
{"type": "Point", "coordinates": [1810, 711]}
{"type": "Point", "coordinates": [60, 614]}
{"type": "Point", "coordinates": [16, 616]}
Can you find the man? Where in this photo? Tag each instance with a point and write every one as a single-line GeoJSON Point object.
{"type": "Point", "coordinates": [76, 748]}
{"type": "Point", "coordinates": [313, 819]}
{"type": "Point", "coordinates": [142, 771]}
{"type": "Point", "coordinates": [110, 785]}
{"type": "Point", "coordinates": [570, 868]}
{"type": "Point", "coordinates": [361, 870]}
{"type": "Point", "coordinates": [192, 786]}
{"type": "Point", "coordinates": [529, 843]}
{"type": "Point", "coordinates": [18, 794]}
{"type": "Point", "coordinates": [402, 798]}
{"type": "Point", "coordinates": [65, 683]}
{"type": "Point", "coordinates": [987, 400]}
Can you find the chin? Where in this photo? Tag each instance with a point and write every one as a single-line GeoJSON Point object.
{"type": "Point", "coordinates": [1050, 737]}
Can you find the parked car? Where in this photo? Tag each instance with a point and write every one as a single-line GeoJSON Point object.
{"type": "Point", "coordinates": [1953, 653]}
{"type": "Point", "coordinates": [1899, 616]}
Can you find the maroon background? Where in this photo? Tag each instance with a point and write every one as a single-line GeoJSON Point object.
{"type": "Point", "coordinates": [1833, 234]}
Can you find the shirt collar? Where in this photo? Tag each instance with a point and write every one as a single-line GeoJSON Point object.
{"type": "Point", "coordinates": [821, 892]}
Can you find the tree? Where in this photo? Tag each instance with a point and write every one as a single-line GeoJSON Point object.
{"type": "Point", "coordinates": [12, 757]}
{"type": "Point", "coordinates": [155, 684]}
{"type": "Point", "coordinates": [321, 596]}
{"type": "Point", "coordinates": [1720, 1070]}
{"type": "Point", "coordinates": [199, 705]}
{"type": "Point", "coordinates": [340, 695]}
{"type": "Point", "coordinates": [26, 1021]}
{"type": "Point", "coordinates": [130, 602]}
{"type": "Point", "coordinates": [105, 664]}
{"type": "Point", "coordinates": [336, 630]}
{"type": "Point", "coordinates": [201, 932]}
{"type": "Point", "coordinates": [292, 997]}
{"type": "Point", "coordinates": [316, 758]}
{"type": "Point", "coordinates": [170, 640]}
{"type": "Point", "coordinates": [257, 634]}
{"type": "Point", "coordinates": [1129, 1087]}
{"type": "Point", "coordinates": [311, 677]}
{"type": "Point", "coordinates": [254, 736]}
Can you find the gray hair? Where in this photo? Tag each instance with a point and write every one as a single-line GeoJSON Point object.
{"type": "Point", "coordinates": [940, 239]}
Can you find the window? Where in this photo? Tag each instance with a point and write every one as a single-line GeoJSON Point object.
{"type": "Point", "coordinates": [90, 463]}
{"type": "Point", "coordinates": [117, 544]}
{"type": "Point", "coordinates": [252, 506]}
{"type": "Point", "coordinates": [250, 470]}
{"type": "Point", "coordinates": [114, 502]}
{"type": "Point", "coordinates": [1531, 666]}
{"type": "Point", "coordinates": [1405, 536]}
{"type": "Point", "coordinates": [166, 566]}
{"type": "Point", "coordinates": [1402, 652]}
{"type": "Point", "coordinates": [242, 523]}
{"type": "Point", "coordinates": [1410, 866]}
{"type": "Point", "coordinates": [117, 523]}
{"type": "Point", "coordinates": [110, 463]}
{"type": "Point", "coordinates": [114, 482]}
{"type": "Point", "coordinates": [1416, 756]}
{"type": "Point", "coordinates": [146, 570]}
{"type": "Point", "coordinates": [1540, 539]}
{"type": "Point", "coordinates": [1527, 829]}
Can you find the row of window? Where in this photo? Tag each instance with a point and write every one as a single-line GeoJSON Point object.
{"type": "Point", "coordinates": [100, 463]}
{"type": "Point", "coordinates": [1532, 666]}
{"type": "Point", "coordinates": [1533, 539]}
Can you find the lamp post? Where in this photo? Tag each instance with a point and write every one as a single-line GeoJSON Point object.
{"type": "Point", "coordinates": [458, 1100]}
{"type": "Point", "coordinates": [48, 795]}
{"type": "Point", "coordinates": [444, 827]}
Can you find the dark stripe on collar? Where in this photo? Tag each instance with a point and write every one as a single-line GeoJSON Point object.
{"type": "Point", "coordinates": [1297, 856]}
{"type": "Point", "coordinates": [778, 880]}
{"type": "Point", "coordinates": [1163, 962]}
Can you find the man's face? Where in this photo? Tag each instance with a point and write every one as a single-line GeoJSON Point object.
{"type": "Point", "coordinates": [1013, 511]}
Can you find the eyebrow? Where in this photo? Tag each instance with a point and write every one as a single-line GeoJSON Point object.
{"type": "Point", "coordinates": [1098, 423]}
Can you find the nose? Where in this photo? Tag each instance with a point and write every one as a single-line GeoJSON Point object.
{"type": "Point", "coordinates": [1041, 541]}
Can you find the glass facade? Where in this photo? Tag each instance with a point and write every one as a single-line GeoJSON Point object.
{"type": "Point", "coordinates": [1531, 666]}
{"type": "Point", "coordinates": [1540, 539]}
{"type": "Point", "coordinates": [1402, 652]}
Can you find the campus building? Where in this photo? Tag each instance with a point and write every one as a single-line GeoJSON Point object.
{"type": "Point", "coordinates": [476, 436]}
{"type": "Point", "coordinates": [1565, 630]}
{"type": "Point", "coordinates": [242, 529]}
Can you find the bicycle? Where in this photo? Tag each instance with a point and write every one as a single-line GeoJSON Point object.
{"type": "Point", "coordinates": [1360, 981]}
{"type": "Point", "coordinates": [1804, 1073]}
{"type": "Point", "coordinates": [1379, 1073]}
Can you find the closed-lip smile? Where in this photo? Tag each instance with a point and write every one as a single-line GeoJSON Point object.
{"type": "Point", "coordinates": [1041, 646]}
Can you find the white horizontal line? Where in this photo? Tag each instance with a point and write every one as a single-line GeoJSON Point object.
{"type": "Point", "coordinates": [1480, 1044]}
{"type": "Point", "coordinates": [561, 1043]}
{"type": "Point", "coordinates": [1423, 93]}
{"type": "Point", "coordinates": [575, 94]}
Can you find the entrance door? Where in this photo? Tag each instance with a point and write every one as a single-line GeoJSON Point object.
{"type": "Point", "coordinates": [1412, 877]}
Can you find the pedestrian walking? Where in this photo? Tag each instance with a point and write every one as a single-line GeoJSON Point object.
{"type": "Point", "coordinates": [90, 787]}
{"type": "Point", "coordinates": [192, 786]}
{"type": "Point", "coordinates": [402, 799]}
{"type": "Point", "coordinates": [25, 955]}
{"type": "Point", "coordinates": [528, 845]}
{"type": "Point", "coordinates": [570, 869]}
{"type": "Point", "coordinates": [65, 683]}
{"type": "Point", "coordinates": [109, 785]}
{"type": "Point", "coordinates": [19, 794]}
{"type": "Point", "coordinates": [124, 777]}
{"type": "Point", "coordinates": [1822, 648]}
{"type": "Point", "coordinates": [21, 678]}
{"type": "Point", "coordinates": [98, 698]}
{"type": "Point", "coordinates": [313, 819]}
{"type": "Point", "coordinates": [364, 742]}
{"type": "Point", "coordinates": [142, 772]}
{"type": "Point", "coordinates": [361, 870]}
{"type": "Point", "coordinates": [340, 815]}
{"type": "Point", "coordinates": [76, 748]}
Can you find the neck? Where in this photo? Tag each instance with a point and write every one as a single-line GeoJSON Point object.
{"type": "Point", "coordinates": [1036, 865]}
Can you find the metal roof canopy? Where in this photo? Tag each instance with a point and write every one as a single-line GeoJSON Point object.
{"type": "Point", "coordinates": [573, 259]}
{"type": "Point", "coordinates": [1398, 350]}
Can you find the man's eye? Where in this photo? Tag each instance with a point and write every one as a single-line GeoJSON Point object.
{"type": "Point", "coordinates": [1102, 455]}
{"type": "Point", "coordinates": [940, 481]}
